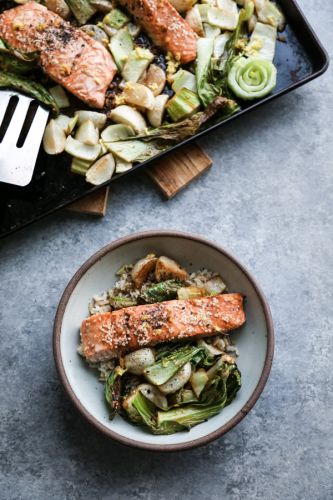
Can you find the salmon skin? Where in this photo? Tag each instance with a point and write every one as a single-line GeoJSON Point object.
{"type": "Point", "coordinates": [165, 26]}
{"type": "Point", "coordinates": [67, 54]}
{"type": "Point", "coordinates": [107, 335]}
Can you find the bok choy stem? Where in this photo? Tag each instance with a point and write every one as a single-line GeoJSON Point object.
{"type": "Point", "coordinates": [33, 89]}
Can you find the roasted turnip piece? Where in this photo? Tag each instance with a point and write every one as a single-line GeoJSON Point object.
{"type": "Point", "coordinates": [193, 18]}
{"type": "Point", "coordinates": [102, 170]}
{"type": "Point", "coordinates": [142, 269]}
{"type": "Point", "coordinates": [98, 119]}
{"type": "Point", "coordinates": [129, 116]}
{"type": "Point", "coordinates": [156, 114]}
{"type": "Point", "coordinates": [154, 79]}
{"type": "Point", "coordinates": [137, 361]}
{"type": "Point", "coordinates": [178, 380]}
{"type": "Point", "coordinates": [87, 133]}
{"type": "Point", "coordinates": [54, 139]}
{"type": "Point", "coordinates": [137, 94]}
{"type": "Point", "coordinates": [167, 268]}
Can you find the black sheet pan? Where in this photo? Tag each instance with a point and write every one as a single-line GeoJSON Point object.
{"type": "Point", "coordinates": [299, 59]}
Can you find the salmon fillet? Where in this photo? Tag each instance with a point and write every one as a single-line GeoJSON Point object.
{"type": "Point", "coordinates": [165, 26]}
{"type": "Point", "coordinates": [68, 55]}
{"type": "Point", "coordinates": [106, 335]}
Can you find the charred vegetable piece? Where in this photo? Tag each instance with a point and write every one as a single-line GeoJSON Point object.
{"type": "Point", "coordinates": [142, 269]}
{"type": "Point", "coordinates": [82, 10]}
{"type": "Point", "coordinates": [183, 104]}
{"type": "Point", "coordinates": [118, 302]}
{"type": "Point", "coordinates": [167, 367]}
{"type": "Point", "coordinates": [12, 64]}
{"type": "Point", "coordinates": [167, 268]}
{"type": "Point", "coordinates": [33, 89]}
{"type": "Point", "coordinates": [112, 391]}
{"type": "Point", "coordinates": [184, 396]}
{"type": "Point", "coordinates": [165, 290]}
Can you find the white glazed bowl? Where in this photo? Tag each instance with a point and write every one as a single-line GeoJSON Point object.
{"type": "Point", "coordinates": [255, 340]}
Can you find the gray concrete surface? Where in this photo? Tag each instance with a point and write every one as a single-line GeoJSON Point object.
{"type": "Point", "coordinates": [268, 199]}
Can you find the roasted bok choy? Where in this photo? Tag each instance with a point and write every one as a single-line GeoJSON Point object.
{"type": "Point", "coordinates": [171, 389]}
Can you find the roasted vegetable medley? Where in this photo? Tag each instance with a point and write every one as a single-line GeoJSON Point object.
{"type": "Point", "coordinates": [155, 98]}
{"type": "Point", "coordinates": [172, 386]}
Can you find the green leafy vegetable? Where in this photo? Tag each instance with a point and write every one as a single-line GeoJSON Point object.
{"type": "Point", "coordinates": [252, 78]}
{"type": "Point", "coordinates": [112, 391]}
{"type": "Point", "coordinates": [212, 73]}
{"type": "Point", "coordinates": [167, 367]}
{"type": "Point", "coordinates": [190, 126]}
{"type": "Point", "coordinates": [33, 89]}
{"type": "Point", "coordinates": [165, 290]}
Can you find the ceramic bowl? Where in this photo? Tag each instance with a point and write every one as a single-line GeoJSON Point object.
{"type": "Point", "coordinates": [255, 340]}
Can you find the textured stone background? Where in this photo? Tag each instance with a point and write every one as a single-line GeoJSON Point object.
{"type": "Point", "coordinates": [268, 199]}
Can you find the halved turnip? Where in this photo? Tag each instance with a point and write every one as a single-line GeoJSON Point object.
{"type": "Point", "coordinates": [142, 269]}
{"type": "Point", "coordinates": [167, 268]}
{"type": "Point", "coordinates": [102, 170]}
{"type": "Point", "coordinates": [80, 150]}
{"type": "Point", "coordinates": [155, 115]}
{"type": "Point", "coordinates": [193, 18]}
{"type": "Point", "coordinates": [129, 116]}
{"type": "Point", "coordinates": [87, 133]}
{"type": "Point", "coordinates": [63, 121]}
{"type": "Point", "coordinates": [137, 94]}
{"type": "Point", "coordinates": [98, 119]}
{"type": "Point", "coordinates": [54, 139]}
{"type": "Point", "coordinates": [137, 361]}
{"type": "Point", "coordinates": [178, 380]}
{"type": "Point", "coordinates": [154, 78]}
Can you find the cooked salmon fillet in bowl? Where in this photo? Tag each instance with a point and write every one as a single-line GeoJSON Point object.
{"type": "Point", "coordinates": [171, 352]}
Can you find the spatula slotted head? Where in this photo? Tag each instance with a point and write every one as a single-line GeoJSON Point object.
{"type": "Point", "coordinates": [22, 124]}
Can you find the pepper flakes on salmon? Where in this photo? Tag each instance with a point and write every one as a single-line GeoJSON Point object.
{"type": "Point", "coordinates": [107, 335]}
{"type": "Point", "coordinates": [66, 54]}
{"type": "Point", "coordinates": [165, 26]}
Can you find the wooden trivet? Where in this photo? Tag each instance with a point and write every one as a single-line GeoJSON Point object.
{"type": "Point", "coordinates": [94, 204]}
{"type": "Point", "coordinates": [171, 174]}
{"type": "Point", "coordinates": [174, 172]}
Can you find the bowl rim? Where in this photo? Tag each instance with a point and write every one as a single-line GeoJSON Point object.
{"type": "Point", "coordinates": [62, 373]}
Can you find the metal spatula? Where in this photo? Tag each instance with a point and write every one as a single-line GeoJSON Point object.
{"type": "Point", "coordinates": [22, 124]}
